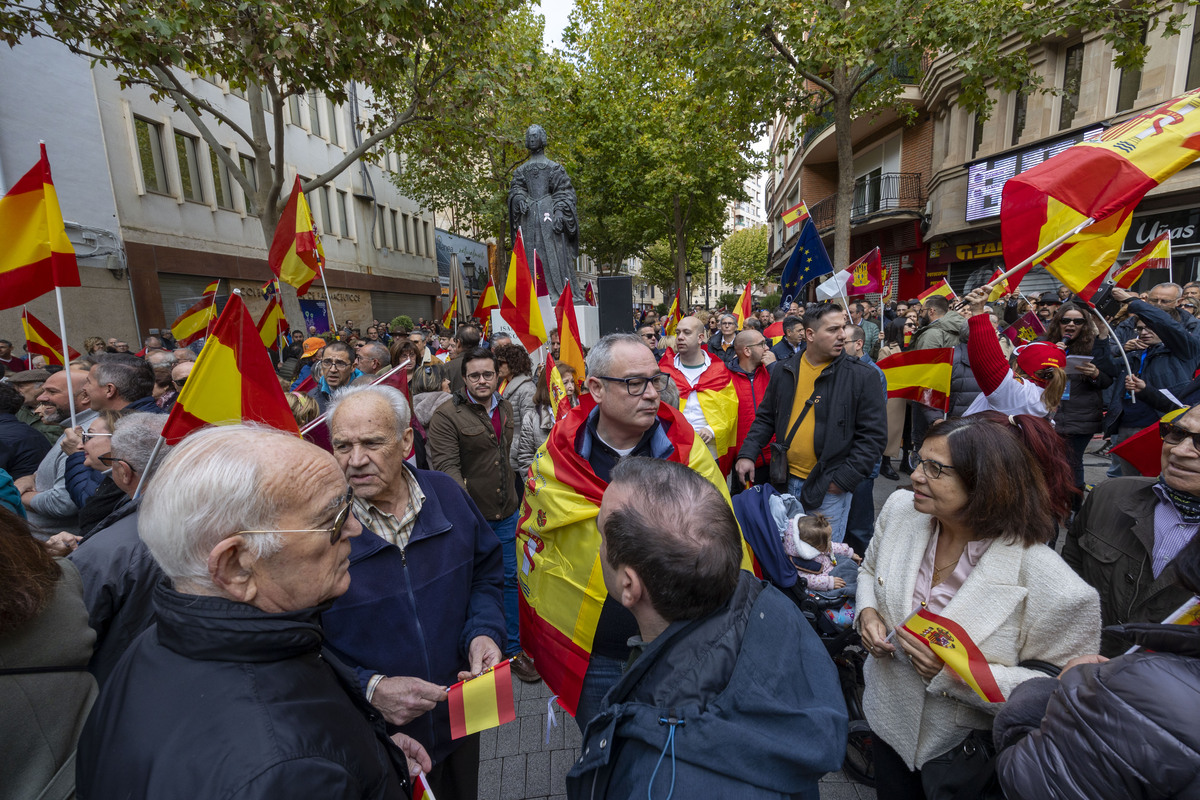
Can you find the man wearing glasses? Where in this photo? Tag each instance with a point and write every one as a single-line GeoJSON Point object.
{"type": "Point", "coordinates": [650, 338]}
{"type": "Point", "coordinates": [721, 343]}
{"type": "Point", "coordinates": [337, 371]}
{"type": "Point", "coordinates": [1127, 534]}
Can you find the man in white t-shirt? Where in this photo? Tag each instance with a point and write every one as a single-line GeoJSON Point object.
{"type": "Point", "coordinates": [707, 396]}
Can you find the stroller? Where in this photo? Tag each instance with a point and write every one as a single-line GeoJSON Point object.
{"type": "Point", "coordinates": [752, 509]}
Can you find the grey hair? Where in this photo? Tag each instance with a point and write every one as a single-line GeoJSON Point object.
{"type": "Point", "coordinates": [207, 490]}
{"type": "Point", "coordinates": [724, 317]}
{"type": "Point", "coordinates": [599, 359]}
{"type": "Point", "coordinates": [393, 397]}
{"type": "Point", "coordinates": [134, 440]}
{"type": "Point", "coordinates": [165, 358]}
{"type": "Point", "coordinates": [1168, 285]}
{"type": "Point", "coordinates": [376, 351]}
{"type": "Point", "coordinates": [132, 377]}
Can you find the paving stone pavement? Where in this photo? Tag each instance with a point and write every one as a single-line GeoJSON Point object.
{"type": "Point", "coordinates": [518, 762]}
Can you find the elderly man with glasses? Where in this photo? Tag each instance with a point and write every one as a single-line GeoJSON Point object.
{"type": "Point", "coordinates": [232, 693]}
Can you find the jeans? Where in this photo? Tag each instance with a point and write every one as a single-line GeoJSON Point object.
{"type": "Point", "coordinates": [602, 674]}
{"type": "Point", "coordinates": [506, 531]}
{"type": "Point", "coordinates": [835, 506]}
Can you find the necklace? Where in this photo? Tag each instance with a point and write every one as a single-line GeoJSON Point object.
{"type": "Point", "coordinates": [937, 570]}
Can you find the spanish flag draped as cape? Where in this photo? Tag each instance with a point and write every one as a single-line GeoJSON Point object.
{"type": "Point", "coordinates": [558, 547]}
{"type": "Point", "coordinates": [718, 400]}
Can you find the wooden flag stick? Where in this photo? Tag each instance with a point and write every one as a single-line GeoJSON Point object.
{"type": "Point", "coordinates": [375, 382]}
{"type": "Point", "coordinates": [1047, 249]}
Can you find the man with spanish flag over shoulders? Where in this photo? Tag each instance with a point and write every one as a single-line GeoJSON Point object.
{"type": "Point", "coordinates": [577, 637]}
{"type": "Point", "coordinates": [707, 396]}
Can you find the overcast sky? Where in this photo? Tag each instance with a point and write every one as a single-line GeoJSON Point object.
{"type": "Point", "coordinates": [555, 12]}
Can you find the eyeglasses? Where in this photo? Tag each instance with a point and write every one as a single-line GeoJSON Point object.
{"type": "Point", "coordinates": [649, 336]}
{"type": "Point", "coordinates": [637, 386]}
{"type": "Point", "coordinates": [330, 363]}
{"type": "Point", "coordinates": [178, 384]}
{"type": "Point", "coordinates": [932, 469]}
{"type": "Point", "coordinates": [763, 343]}
{"type": "Point", "coordinates": [1187, 305]}
{"type": "Point", "coordinates": [1140, 328]}
{"type": "Point", "coordinates": [476, 377]}
{"type": "Point", "coordinates": [87, 437]}
{"type": "Point", "coordinates": [339, 522]}
{"type": "Point", "coordinates": [108, 460]}
{"type": "Point", "coordinates": [1172, 434]}
{"type": "Point", "coordinates": [1072, 320]}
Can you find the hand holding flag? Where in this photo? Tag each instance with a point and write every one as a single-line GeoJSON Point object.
{"type": "Point", "coordinates": [950, 642]}
{"type": "Point", "coordinates": [483, 702]}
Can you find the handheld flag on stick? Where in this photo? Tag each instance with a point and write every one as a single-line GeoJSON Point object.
{"type": "Point", "coordinates": [41, 341]}
{"type": "Point", "coordinates": [37, 255]}
{"type": "Point", "coordinates": [589, 294]}
{"type": "Point", "coordinates": [1001, 288]}
{"type": "Point", "coordinates": [212, 288]}
{"type": "Point", "coordinates": [866, 275]}
{"type": "Point", "coordinates": [743, 307]}
{"type": "Point", "coordinates": [570, 343]}
{"type": "Point", "coordinates": [233, 381]}
{"type": "Point", "coordinates": [834, 287]}
{"type": "Point", "coordinates": [296, 256]}
{"type": "Point", "coordinates": [947, 639]}
{"type": "Point", "coordinates": [1096, 181]}
{"type": "Point", "coordinates": [193, 323]}
{"type": "Point", "coordinates": [673, 316]}
{"type": "Point", "coordinates": [1025, 330]}
{"type": "Point", "coordinates": [941, 288]}
{"type": "Point", "coordinates": [796, 215]}
{"type": "Point", "coordinates": [487, 302]}
{"type": "Point", "coordinates": [421, 790]}
{"type": "Point", "coordinates": [481, 703]}
{"type": "Point", "coordinates": [540, 272]}
{"type": "Point", "coordinates": [808, 260]}
{"type": "Point", "coordinates": [451, 312]}
{"type": "Point", "coordinates": [1155, 255]}
{"type": "Point", "coordinates": [272, 324]}
{"type": "Point", "coordinates": [920, 375]}
{"type": "Point", "coordinates": [519, 305]}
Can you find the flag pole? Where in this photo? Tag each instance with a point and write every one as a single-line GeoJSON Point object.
{"type": "Point", "coordinates": [329, 305]}
{"type": "Point", "coordinates": [1047, 249]}
{"type": "Point", "coordinates": [66, 349]}
{"type": "Point", "coordinates": [137, 493]}
{"type": "Point", "coordinates": [1124, 355]}
{"type": "Point", "coordinates": [375, 382]}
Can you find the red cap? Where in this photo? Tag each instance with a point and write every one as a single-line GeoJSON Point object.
{"type": "Point", "coordinates": [1037, 356]}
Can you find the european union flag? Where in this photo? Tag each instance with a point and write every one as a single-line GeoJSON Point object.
{"type": "Point", "coordinates": [809, 260]}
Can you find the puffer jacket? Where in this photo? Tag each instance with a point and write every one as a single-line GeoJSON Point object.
{"type": "Point", "coordinates": [1125, 729]}
{"type": "Point", "coordinates": [963, 386]}
{"type": "Point", "coordinates": [535, 428]}
{"type": "Point", "coordinates": [519, 394]}
{"type": "Point", "coordinates": [706, 709]}
{"type": "Point", "coordinates": [1170, 363]}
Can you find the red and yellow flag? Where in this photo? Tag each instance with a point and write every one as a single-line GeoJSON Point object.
{"type": "Point", "coordinates": [41, 341]}
{"type": "Point", "coordinates": [519, 305]}
{"type": "Point", "coordinates": [742, 309]}
{"type": "Point", "coordinates": [560, 401]}
{"type": "Point", "coordinates": [272, 323]}
{"type": "Point", "coordinates": [1155, 255]}
{"type": "Point", "coordinates": [570, 343]}
{"type": "Point", "coordinates": [1102, 180]}
{"type": "Point", "coordinates": [673, 317]}
{"type": "Point", "coordinates": [540, 274]}
{"type": "Point", "coordinates": [1025, 329]}
{"type": "Point", "coordinates": [37, 256]}
{"type": "Point", "coordinates": [589, 295]}
{"type": "Point", "coordinates": [296, 256]}
{"type": "Point", "coordinates": [483, 702]}
{"type": "Point", "coordinates": [558, 547]}
{"type": "Point", "coordinates": [448, 317]}
{"type": "Point", "coordinates": [941, 288]}
{"type": "Point", "coordinates": [795, 215]}
{"type": "Point", "coordinates": [947, 639]}
{"type": "Point", "coordinates": [421, 790]}
{"type": "Point", "coordinates": [487, 302]}
{"type": "Point", "coordinates": [1144, 449]}
{"type": "Point", "coordinates": [920, 375]}
{"type": "Point", "coordinates": [866, 275]}
{"type": "Point", "coordinates": [193, 323]}
{"type": "Point", "coordinates": [233, 381]}
{"type": "Point", "coordinates": [212, 287]}
{"type": "Point", "coordinates": [718, 399]}
{"type": "Point", "coordinates": [1000, 289]}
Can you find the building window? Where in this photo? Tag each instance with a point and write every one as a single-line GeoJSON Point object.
{"type": "Point", "coordinates": [314, 114]}
{"type": "Point", "coordinates": [417, 236]}
{"type": "Point", "coordinates": [187, 148]}
{"type": "Point", "coordinates": [396, 229]}
{"type": "Point", "coordinates": [976, 135]}
{"type": "Point", "coordinates": [248, 170]}
{"type": "Point", "coordinates": [222, 185]}
{"type": "Point", "coordinates": [150, 154]}
{"type": "Point", "coordinates": [425, 237]}
{"type": "Point", "coordinates": [1130, 84]}
{"type": "Point", "coordinates": [343, 214]}
{"type": "Point", "coordinates": [1072, 77]}
{"type": "Point", "coordinates": [868, 192]}
{"type": "Point", "coordinates": [1020, 113]}
{"type": "Point", "coordinates": [333, 126]}
{"type": "Point", "coordinates": [1193, 73]}
{"type": "Point", "coordinates": [293, 109]}
{"type": "Point", "coordinates": [404, 226]}
{"type": "Point", "coordinates": [326, 222]}
{"type": "Point", "coordinates": [381, 240]}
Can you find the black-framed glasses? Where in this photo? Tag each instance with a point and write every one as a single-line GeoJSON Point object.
{"type": "Point", "coordinates": [932, 469]}
{"type": "Point", "coordinates": [1072, 320]}
{"type": "Point", "coordinates": [178, 384]}
{"type": "Point", "coordinates": [763, 343]}
{"type": "Point", "coordinates": [331, 363]}
{"type": "Point", "coordinates": [650, 336]}
{"type": "Point", "coordinates": [1172, 434]}
{"type": "Point", "coordinates": [636, 386]}
{"type": "Point", "coordinates": [475, 377]}
{"type": "Point", "coordinates": [108, 460]}
{"type": "Point", "coordinates": [339, 522]}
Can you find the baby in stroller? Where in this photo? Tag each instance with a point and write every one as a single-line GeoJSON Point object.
{"type": "Point", "coordinates": [830, 569]}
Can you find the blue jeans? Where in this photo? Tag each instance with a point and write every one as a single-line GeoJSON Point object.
{"type": "Point", "coordinates": [506, 531]}
{"type": "Point", "coordinates": [835, 506]}
{"type": "Point", "coordinates": [602, 674]}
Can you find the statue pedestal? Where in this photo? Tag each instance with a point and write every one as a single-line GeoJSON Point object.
{"type": "Point", "coordinates": [587, 316]}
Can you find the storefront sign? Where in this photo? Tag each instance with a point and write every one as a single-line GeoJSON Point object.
{"type": "Point", "coordinates": [945, 253]}
{"type": "Point", "coordinates": [1183, 225]}
{"type": "Point", "coordinates": [986, 179]}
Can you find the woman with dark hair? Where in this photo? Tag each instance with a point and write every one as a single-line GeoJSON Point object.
{"type": "Point", "coordinates": [1080, 415]}
{"type": "Point", "coordinates": [45, 644]}
{"type": "Point", "coordinates": [967, 544]}
{"type": "Point", "coordinates": [1124, 728]}
{"type": "Point", "coordinates": [516, 386]}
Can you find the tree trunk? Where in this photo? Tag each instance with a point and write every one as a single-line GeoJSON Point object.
{"type": "Point", "coordinates": [842, 121]}
{"type": "Point", "coordinates": [680, 256]}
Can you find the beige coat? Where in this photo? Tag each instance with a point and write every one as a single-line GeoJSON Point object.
{"type": "Point", "coordinates": [1018, 604]}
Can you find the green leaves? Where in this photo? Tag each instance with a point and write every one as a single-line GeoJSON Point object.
{"type": "Point", "coordinates": [744, 256]}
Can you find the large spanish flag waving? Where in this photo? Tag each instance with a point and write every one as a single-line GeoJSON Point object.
{"type": "Point", "coordinates": [1101, 180]}
{"type": "Point", "coordinates": [920, 375]}
{"type": "Point", "coordinates": [570, 349]}
{"type": "Point", "coordinates": [37, 256]}
{"type": "Point", "coordinates": [519, 305]}
{"type": "Point", "coordinates": [718, 399]}
{"type": "Point", "coordinates": [233, 381]}
{"type": "Point", "coordinates": [296, 256]}
{"type": "Point", "coordinates": [558, 547]}
{"type": "Point", "coordinates": [947, 639]}
{"type": "Point", "coordinates": [40, 340]}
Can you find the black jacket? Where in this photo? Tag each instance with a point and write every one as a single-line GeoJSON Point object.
{"type": "Point", "coordinates": [21, 447]}
{"type": "Point", "coordinates": [1168, 364]}
{"type": "Point", "coordinates": [1126, 729]}
{"type": "Point", "coordinates": [851, 425]}
{"type": "Point", "coordinates": [1082, 408]}
{"type": "Point", "coordinates": [221, 700]}
{"type": "Point", "coordinates": [726, 354]}
{"type": "Point", "coordinates": [963, 386]}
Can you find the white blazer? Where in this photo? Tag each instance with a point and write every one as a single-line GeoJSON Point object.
{"type": "Point", "coordinates": [1019, 603]}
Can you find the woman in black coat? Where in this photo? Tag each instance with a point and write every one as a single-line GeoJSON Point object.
{"type": "Point", "coordinates": [1125, 728]}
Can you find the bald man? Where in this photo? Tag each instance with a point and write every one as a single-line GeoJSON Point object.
{"type": "Point", "coordinates": [707, 396]}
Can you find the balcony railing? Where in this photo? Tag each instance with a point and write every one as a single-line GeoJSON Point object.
{"type": "Point", "coordinates": [874, 194]}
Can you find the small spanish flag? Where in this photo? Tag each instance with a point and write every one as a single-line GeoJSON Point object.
{"type": "Point", "coordinates": [743, 307]}
{"type": "Point", "coordinates": [481, 703]}
{"type": "Point", "coordinates": [920, 375]}
{"type": "Point", "coordinates": [940, 288]}
{"type": "Point", "coordinates": [1000, 289]}
{"type": "Point", "coordinates": [673, 317]}
{"type": "Point", "coordinates": [448, 317]}
{"type": "Point", "coordinates": [41, 341]}
{"type": "Point", "coordinates": [570, 343]}
{"type": "Point", "coordinates": [193, 323]}
{"type": "Point", "coordinates": [272, 324]}
{"type": "Point", "coordinates": [519, 303]}
{"type": "Point", "coordinates": [1155, 255]}
{"type": "Point", "coordinates": [421, 790]}
{"type": "Point", "coordinates": [950, 642]}
{"type": "Point", "coordinates": [296, 256]}
{"type": "Point", "coordinates": [212, 287]}
{"type": "Point", "coordinates": [795, 215]}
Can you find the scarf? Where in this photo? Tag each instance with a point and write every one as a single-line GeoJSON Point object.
{"type": "Point", "coordinates": [1188, 505]}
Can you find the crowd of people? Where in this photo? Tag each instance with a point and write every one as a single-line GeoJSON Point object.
{"type": "Point", "coordinates": [249, 613]}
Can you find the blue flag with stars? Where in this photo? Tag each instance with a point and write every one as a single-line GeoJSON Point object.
{"type": "Point", "coordinates": [809, 260]}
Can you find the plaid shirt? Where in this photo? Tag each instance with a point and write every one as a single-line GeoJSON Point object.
{"type": "Point", "coordinates": [394, 529]}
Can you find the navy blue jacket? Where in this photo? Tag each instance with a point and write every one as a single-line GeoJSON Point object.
{"type": "Point", "coordinates": [414, 612]}
{"type": "Point", "coordinates": [20, 449]}
{"type": "Point", "coordinates": [1168, 364]}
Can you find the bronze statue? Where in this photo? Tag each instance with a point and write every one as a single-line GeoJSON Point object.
{"type": "Point", "coordinates": [541, 202]}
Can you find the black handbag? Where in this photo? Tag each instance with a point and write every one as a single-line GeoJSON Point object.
{"type": "Point", "coordinates": [779, 461]}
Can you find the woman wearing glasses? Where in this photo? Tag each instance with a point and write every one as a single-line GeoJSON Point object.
{"type": "Point", "coordinates": [967, 544]}
{"type": "Point", "coordinates": [1080, 415]}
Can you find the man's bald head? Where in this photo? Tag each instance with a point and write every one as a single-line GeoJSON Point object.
{"type": "Point", "coordinates": [688, 335]}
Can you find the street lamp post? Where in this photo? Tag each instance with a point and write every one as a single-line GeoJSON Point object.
{"type": "Point", "coordinates": [706, 251]}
